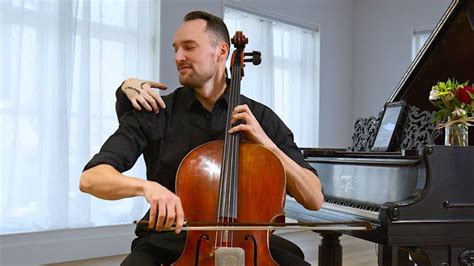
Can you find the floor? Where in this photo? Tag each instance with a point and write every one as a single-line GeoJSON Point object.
{"type": "Point", "coordinates": [356, 252]}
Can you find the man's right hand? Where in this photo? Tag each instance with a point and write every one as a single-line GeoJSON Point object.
{"type": "Point", "coordinates": [141, 93]}
{"type": "Point", "coordinates": [165, 207]}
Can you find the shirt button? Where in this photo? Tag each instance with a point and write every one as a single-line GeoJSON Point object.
{"type": "Point", "coordinates": [207, 116]}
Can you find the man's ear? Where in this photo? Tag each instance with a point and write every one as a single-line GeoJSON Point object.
{"type": "Point", "coordinates": [222, 51]}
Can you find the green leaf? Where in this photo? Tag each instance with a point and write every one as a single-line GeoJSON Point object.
{"type": "Point", "coordinates": [442, 85]}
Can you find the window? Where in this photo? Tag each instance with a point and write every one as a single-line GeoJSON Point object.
{"type": "Point", "coordinates": [420, 36]}
{"type": "Point", "coordinates": [61, 64]}
{"type": "Point", "coordinates": [287, 80]}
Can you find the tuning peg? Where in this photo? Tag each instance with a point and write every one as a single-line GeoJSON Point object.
{"type": "Point", "coordinates": [256, 57]}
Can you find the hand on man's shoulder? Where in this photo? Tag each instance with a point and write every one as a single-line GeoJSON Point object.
{"type": "Point", "coordinates": [142, 93]}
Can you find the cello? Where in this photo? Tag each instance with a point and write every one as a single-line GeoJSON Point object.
{"type": "Point", "coordinates": [230, 182]}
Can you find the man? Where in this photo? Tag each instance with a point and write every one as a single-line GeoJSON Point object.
{"type": "Point", "coordinates": [192, 115]}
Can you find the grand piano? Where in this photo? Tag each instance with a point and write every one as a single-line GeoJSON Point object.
{"type": "Point", "coordinates": [420, 196]}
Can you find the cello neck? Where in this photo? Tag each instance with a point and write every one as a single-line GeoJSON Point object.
{"type": "Point", "coordinates": [227, 202]}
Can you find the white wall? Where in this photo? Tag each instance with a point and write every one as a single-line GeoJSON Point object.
{"type": "Point", "coordinates": [382, 46]}
{"type": "Point", "coordinates": [172, 13]}
{"type": "Point", "coordinates": [55, 246]}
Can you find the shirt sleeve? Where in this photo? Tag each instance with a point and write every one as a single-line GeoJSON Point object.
{"type": "Point", "coordinates": [122, 149]}
{"type": "Point", "coordinates": [282, 136]}
{"type": "Point", "coordinates": [122, 103]}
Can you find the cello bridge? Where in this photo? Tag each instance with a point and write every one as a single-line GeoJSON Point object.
{"type": "Point", "coordinates": [229, 256]}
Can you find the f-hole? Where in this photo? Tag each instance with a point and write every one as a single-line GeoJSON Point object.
{"type": "Point", "coordinates": [198, 248]}
{"type": "Point", "coordinates": [254, 248]}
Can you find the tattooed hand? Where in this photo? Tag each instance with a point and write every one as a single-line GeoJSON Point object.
{"type": "Point", "coordinates": [141, 93]}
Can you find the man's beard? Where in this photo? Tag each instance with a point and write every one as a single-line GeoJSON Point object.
{"type": "Point", "coordinates": [195, 80]}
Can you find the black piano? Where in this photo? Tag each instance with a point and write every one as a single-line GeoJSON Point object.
{"type": "Point", "coordinates": [420, 196]}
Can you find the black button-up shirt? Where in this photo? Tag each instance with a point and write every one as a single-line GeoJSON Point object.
{"type": "Point", "coordinates": [165, 138]}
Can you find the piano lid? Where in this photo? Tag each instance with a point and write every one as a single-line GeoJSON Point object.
{"type": "Point", "coordinates": [448, 53]}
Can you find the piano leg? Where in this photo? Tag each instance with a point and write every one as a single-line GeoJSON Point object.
{"type": "Point", "coordinates": [393, 256]}
{"type": "Point", "coordinates": [330, 250]}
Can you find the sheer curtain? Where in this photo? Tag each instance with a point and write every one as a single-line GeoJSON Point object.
{"type": "Point", "coordinates": [287, 80]}
{"type": "Point", "coordinates": [258, 80]}
{"type": "Point", "coordinates": [61, 63]}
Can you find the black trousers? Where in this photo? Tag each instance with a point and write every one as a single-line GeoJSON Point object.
{"type": "Point", "coordinates": [165, 248]}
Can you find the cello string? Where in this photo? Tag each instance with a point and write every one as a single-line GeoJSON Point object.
{"type": "Point", "coordinates": [232, 159]}
{"type": "Point", "coordinates": [218, 234]}
{"type": "Point", "coordinates": [225, 165]}
{"type": "Point", "coordinates": [235, 150]}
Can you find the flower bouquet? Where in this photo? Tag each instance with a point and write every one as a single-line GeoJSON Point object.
{"type": "Point", "coordinates": [455, 103]}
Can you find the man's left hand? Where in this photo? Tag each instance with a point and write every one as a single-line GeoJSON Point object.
{"type": "Point", "coordinates": [251, 128]}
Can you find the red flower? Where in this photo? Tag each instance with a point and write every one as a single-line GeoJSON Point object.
{"type": "Point", "coordinates": [463, 94]}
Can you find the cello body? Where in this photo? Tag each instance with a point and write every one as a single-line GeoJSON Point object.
{"type": "Point", "coordinates": [261, 195]}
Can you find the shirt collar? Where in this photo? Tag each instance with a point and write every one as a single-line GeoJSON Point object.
{"type": "Point", "coordinates": [189, 97]}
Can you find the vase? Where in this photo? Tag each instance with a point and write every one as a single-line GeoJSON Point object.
{"type": "Point", "coordinates": [456, 134]}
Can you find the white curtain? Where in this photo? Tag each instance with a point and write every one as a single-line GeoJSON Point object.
{"type": "Point", "coordinates": [61, 62]}
{"type": "Point", "coordinates": [258, 80]}
{"type": "Point", "coordinates": [288, 78]}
